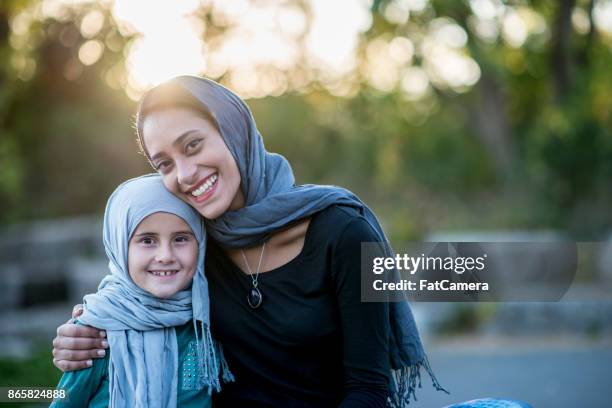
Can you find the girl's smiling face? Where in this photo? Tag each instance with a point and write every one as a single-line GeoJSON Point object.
{"type": "Point", "coordinates": [193, 160]}
{"type": "Point", "coordinates": [162, 255]}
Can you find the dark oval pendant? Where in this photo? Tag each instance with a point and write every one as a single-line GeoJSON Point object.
{"type": "Point", "coordinates": [254, 298]}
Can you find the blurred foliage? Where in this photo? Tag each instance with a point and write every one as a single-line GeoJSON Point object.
{"type": "Point", "coordinates": [60, 139]}
{"type": "Point", "coordinates": [466, 317]}
{"type": "Point", "coordinates": [529, 145]}
{"type": "Point", "coordinates": [36, 371]}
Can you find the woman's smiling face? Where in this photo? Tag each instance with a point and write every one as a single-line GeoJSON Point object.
{"type": "Point", "coordinates": [193, 160]}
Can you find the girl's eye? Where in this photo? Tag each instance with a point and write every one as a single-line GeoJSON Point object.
{"type": "Point", "coordinates": [147, 241]}
{"type": "Point", "coordinates": [192, 146]}
{"type": "Point", "coordinates": [183, 238]}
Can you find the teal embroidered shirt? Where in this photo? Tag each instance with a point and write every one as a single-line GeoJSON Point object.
{"type": "Point", "coordinates": [90, 387]}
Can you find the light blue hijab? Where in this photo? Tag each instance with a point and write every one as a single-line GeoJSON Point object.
{"type": "Point", "coordinates": [273, 201]}
{"type": "Point", "coordinates": [143, 369]}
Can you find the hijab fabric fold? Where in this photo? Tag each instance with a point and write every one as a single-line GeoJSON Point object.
{"type": "Point", "coordinates": [143, 367]}
{"type": "Point", "coordinates": [273, 201]}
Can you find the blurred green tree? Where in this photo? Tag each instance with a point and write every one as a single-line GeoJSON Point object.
{"type": "Point", "coordinates": [537, 110]}
{"type": "Point", "coordinates": [470, 113]}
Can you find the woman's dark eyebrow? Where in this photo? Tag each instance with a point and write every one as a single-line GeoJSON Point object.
{"type": "Point", "coordinates": [179, 140]}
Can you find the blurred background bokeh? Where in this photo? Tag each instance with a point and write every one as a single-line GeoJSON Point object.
{"type": "Point", "coordinates": [483, 116]}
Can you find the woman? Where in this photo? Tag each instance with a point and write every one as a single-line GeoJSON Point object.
{"type": "Point", "coordinates": [282, 263]}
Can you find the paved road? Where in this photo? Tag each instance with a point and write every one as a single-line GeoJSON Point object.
{"type": "Point", "coordinates": [555, 377]}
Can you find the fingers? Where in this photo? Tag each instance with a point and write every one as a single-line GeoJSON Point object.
{"type": "Point", "coordinates": [77, 310]}
{"type": "Point", "coordinates": [71, 365]}
{"type": "Point", "coordinates": [76, 346]}
{"type": "Point", "coordinates": [77, 330]}
{"type": "Point", "coordinates": [76, 356]}
{"type": "Point", "coordinates": [79, 343]}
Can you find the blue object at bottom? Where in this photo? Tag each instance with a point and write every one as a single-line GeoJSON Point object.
{"type": "Point", "coordinates": [490, 403]}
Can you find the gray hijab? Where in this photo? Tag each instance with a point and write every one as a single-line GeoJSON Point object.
{"type": "Point", "coordinates": [143, 368]}
{"type": "Point", "coordinates": [274, 201]}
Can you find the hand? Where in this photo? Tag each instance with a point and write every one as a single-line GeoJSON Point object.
{"type": "Point", "coordinates": [76, 345]}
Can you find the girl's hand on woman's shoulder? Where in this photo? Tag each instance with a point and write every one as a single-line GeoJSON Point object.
{"type": "Point", "coordinates": [75, 346]}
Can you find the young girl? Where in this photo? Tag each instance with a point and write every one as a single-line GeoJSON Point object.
{"type": "Point", "coordinates": [153, 305]}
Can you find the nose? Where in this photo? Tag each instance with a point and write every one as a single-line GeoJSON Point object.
{"type": "Point", "coordinates": [186, 172]}
{"type": "Point", "coordinates": [164, 254]}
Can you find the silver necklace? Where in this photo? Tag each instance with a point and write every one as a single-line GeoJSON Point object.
{"type": "Point", "coordinates": [254, 297]}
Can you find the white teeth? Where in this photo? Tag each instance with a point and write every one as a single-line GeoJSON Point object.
{"type": "Point", "coordinates": [205, 187]}
{"type": "Point", "coordinates": [164, 273]}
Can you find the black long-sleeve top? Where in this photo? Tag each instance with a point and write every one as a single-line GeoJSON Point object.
{"type": "Point", "coordinates": [312, 342]}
